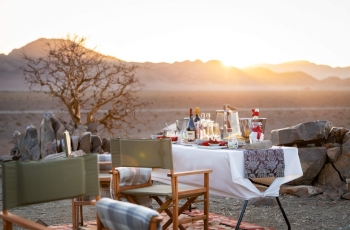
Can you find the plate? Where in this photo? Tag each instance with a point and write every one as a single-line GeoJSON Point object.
{"type": "Point", "coordinates": [213, 144]}
{"type": "Point", "coordinates": [188, 143]}
{"type": "Point", "coordinates": [211, 147]}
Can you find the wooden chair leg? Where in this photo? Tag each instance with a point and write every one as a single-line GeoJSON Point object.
{"type": "Point", "coordinates": [81, 215]}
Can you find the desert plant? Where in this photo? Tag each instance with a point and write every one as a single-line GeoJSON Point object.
{"type": "Point", "coordinates": [98, 91]}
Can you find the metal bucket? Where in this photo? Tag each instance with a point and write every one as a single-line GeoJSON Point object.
{"type": "Point", "coordinates": [181, 124]}
{"type": "Point", "coordinates": [246, 125]}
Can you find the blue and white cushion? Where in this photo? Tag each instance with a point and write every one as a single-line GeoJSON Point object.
{"type": "Point", "coordinates": [119, 215]}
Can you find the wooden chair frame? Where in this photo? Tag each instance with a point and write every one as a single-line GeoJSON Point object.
{"type": "Point", "coordinates": [21, 180]}
{"type": "Point", "coordinates": [125, 153]}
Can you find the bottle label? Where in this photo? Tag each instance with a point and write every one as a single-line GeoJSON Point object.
{"type": "Point", "coordinates": [191, 135]}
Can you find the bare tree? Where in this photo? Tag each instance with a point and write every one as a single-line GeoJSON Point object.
{"type": "Point", "coordinates": [87, 82]}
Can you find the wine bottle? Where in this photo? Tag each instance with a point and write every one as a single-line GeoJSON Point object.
{"type": "Point", "coordinates": [197, 123]}
{"type": "Point", "coordinates": [191, 129]}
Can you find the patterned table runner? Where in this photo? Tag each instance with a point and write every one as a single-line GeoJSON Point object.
{"type": "Point", "coordinates": [261, 163]}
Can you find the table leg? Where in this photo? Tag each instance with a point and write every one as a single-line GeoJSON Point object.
{"type": "Point", "coordinates": [284, 214]}
{"type": "Point", "coordinates": [242, 214]}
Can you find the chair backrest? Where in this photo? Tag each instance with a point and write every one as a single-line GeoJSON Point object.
{"type": "Point", "coordinates": [146, 153]}
{"type": "Point", "coordinates": [33, 182]}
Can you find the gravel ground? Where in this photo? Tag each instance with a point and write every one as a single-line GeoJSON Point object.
{"type": "Point", "coordinates": [318, 212]}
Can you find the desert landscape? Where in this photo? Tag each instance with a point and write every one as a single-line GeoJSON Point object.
{"type": "Point", "coordinates": [280, 108]}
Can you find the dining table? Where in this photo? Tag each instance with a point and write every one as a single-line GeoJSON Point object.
{"type": "Point", "coordinates": [228, 176]}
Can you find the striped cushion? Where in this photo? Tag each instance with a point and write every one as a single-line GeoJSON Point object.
{"type": "Point", "coordinates": [134, 176]}
{"type": "Point", "coordinates": [118, 215]}
{"type": "Point", "coordinates": [105, 157]}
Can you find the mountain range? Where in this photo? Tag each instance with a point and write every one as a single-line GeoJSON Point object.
{"type": "Point", "coordinates": [198, 75]}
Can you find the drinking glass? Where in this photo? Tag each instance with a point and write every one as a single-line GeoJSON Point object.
{"type": "Point", "coordinates": [202, 116]}
{"type": "Point", "coordinates": [209, 129]}
{"type": "Point", "coordinates": [232, 142]}
{"type": "Point", "coordinates": [216, 132]}
{"type": "Point", "coordinates": [207, 116]}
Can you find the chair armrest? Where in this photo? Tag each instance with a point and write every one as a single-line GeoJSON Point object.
{"type": "Point", "coordinates": [186, 173]}
{"type": "Point", "coordinates": [20, 221]}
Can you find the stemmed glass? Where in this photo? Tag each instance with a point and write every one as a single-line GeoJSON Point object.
{"type": "Point", "coordinates": [216, 132]}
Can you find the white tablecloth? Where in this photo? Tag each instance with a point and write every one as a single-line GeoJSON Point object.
{"type": "Point", "coordinates": [227, 178]}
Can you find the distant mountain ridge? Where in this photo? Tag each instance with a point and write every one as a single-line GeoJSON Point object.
{"type": "Point", "coordinates": [198, 75]}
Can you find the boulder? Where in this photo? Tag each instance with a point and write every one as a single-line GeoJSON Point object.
{"type": "Point", "coordinates": [50, 125]}
{"type": "Point", "coordinates": [336, 135]}
{"type": "Point", "coordinates": [79, 131]}
{"type": "Point", "coordinates": [96, 144]}
{"type": "Point", "coordinates": [106, 145]}
{"type": "Point", "coordinates": [31, 144]}
{"type": "Point", "coordinates": [333, 153]}
{"type": "Point", "coordinates": [85, 142]}
{"type": "Point", "coordinates": [306, 133]}
{"type": "Point", "coordinates": [329, 180]}
{"type": "Point", "coordinates": [301, 190]}
{"type": "Point", "coordinates": [312, 160]}
{"type": "Point", "coordinates": [342, 165]}
{"type": "Point", "coordinates": [75, 142]}
{"type": "Point", "coordinates": [346, 138]}
{"type": "Point", "coordinates": [18, 140]}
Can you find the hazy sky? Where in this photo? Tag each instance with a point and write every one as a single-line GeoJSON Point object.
{"type": "Point", "coordinates": [237, 32]}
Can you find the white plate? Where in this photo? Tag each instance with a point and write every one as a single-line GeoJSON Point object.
{"type": "Point", "coordinates": [188, 143]}
{"type": "Point", "coordinates": [211, 147]}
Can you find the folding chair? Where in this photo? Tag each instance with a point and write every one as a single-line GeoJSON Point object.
{"type": "Point", "coordinates": [118, 215]}
{"type": "Point", "coordinates": [157, 153]}
{"type": "Point", "coordinates": [104, 163]}
{"type": "Point", "coordinates": [33, 182]}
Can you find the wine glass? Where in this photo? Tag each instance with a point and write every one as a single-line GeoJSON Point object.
{"type": "Point", "coordinates": [202, 116]}
{"type": "Point", "coordinates": [207, 116]}
{"type": "Point", "coordinates": [216, 132]}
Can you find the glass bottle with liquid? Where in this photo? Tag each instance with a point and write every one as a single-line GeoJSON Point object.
{"type": "Point", "coordinates": [197, 123]}
{"type": "Point", "coordinates": [191, 128]}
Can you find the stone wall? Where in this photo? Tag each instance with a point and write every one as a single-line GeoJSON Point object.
{"type": "Point", "coordinates": [324, 152]}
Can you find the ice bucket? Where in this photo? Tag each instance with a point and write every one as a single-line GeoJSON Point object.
{"type": "Point", "coordinates": [246, 125]}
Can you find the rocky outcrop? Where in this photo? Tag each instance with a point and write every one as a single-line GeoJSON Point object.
{"type": "Point", "coordinates": [34, 145]}
{"type": "Point", "coordinates": [314, 132]}
{"type": "Point", "coordinates": [324, 153]}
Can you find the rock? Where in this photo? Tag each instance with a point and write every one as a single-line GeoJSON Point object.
{"type": "Point", "coordinates": [312, 160]}
{"type": "Point", "coordinates": [336, 135]}
{"type": "Point", "coordinates": [6, 158]}
{"type": "Point", "coordinates": [342, 165]}
{"type": "Point", "coordinates": [96, 144]}
{"type": "Point", "coordinates": [346, 138]}
{"type": "Point", "coordinates": [106, 145]}
{"type": "Point", "coordinates": [79, 131]}
{"type": "Point", "coordinates": [346, 196]}
{"type": "Point", "coordinates": [75, 142]}
{"type": "Point", "coordinates": [18, 140]}
{"type": "Point", "coordinates": [328, 179]}
{"type": "Point", "coordinates": [309, 132]}
{"type": "Point", "coordinates": [85, 142]}
{"type": "Point", "coordinates": [31, 144]}
{"type": "Point", "coordinates": [301, 190]}
{"type": "Point", "coordinates": [47, 135]}
{"type": "Point", "coordinates": [263, 201]}
{"type": "Point", "coordinates": [333, 154]}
